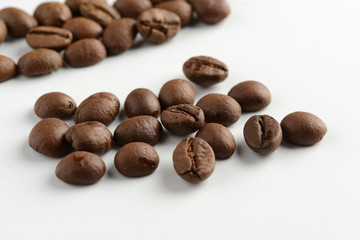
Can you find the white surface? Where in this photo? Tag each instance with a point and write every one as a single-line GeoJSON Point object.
{"type": "Point", "coordinates": [306, 52]}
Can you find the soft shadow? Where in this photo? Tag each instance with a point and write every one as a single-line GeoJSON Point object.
{"type": "Point", "coordinates": [113, 173]}
{"type": "Point", "coordinates": [122, 115]}
{"type": "Point", "coordinates": [174, 183]}
{"type": "Point", "coordinates": [288, 145]}
{"type": "Point", "coordinates": [249, 157]}
{"type": "Point", "coordinates": [164, 137]}
{"type": "Point", "coordinates": [57, 183]}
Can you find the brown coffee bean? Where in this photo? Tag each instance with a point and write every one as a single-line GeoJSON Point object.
{"type": "Point", "coordinates": [251, 95]}
{"type": "Point", "coordinates": [142, 101]}
{"type": "Point", "coordinates": [177, 91]}
{"type": "Point", "coordinates": [49, 37]}
{"type": "Point", "coordinates": [119, 35]}
{"type": "Point", "coordinates": [3, 31]}
{"type": "Point", "coordinates": [47, 137]}
{"type": "Point", "coordinates": [180, 8]}
{"type": "Point", "coordinates": [82, 28]}
{"type": "Point", "coordinates": [102, 107]}
{"type": "Point", "coordinates": [74, 5]}
{"type": "Point", "coordinates": [138, 129]}
{"type": "Point", "coordinates": [220, 108]}
{"type": "Point", "coordinates": [54, 105]}
{"type": "Point", "coordinates": [39, 62]}
{"type": "Point", "coordinates": [7, 68]}
{"type": "Point", "coordinates": [52, 14]}
{"type": "Point", "coordinates": [136, 159]}
{"type": "Point", "coordinates": [85, 52]}
{"type": "Point", "coordinates": [158, 25]}
{"type": "Point", "coordinates": [194, 160]}
{"type": "Point", "coordinates": [183, 119]}
{"type": "Point", "coordinates": [205, 71]}
{"type": "Point", "coordinates": [219, 138]}
{"type": "Point", "coordinates": [17, 21]}
{"type": "Point", "coordinates": [303, 128]}
{"type": "Point", "coordinates": [211, 11]}
{"type": "Point", "coordinates": [90, 136]}
{"type": "Point", "coordinates": [100, 12]}
{"type": "Point", "coordinates": [81, 168]}
{"type": "Point", "coordinates": [132, 8]}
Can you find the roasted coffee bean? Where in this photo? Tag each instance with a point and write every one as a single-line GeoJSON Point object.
{"type": "Point", "coordinates": [142, 101]}
{"type": "Point", "coordinates": [100, 12]}
{"type": "Point", "coordinates": [138, 129]}
{"type": "Point", "coordinates": [47, 137]}
{"type": "Point", "coordinates": [85, 52]}
{"type": "Point", "coordinates": [183, 119]}
{"type": "Point", "coordinates": [82, 28]}
{"type": "Point", "coordinates": [3, 31]}
{"type": "Point", "coordinates": [52, 14]}
{"type": "Point", "coordinates": [181, 8]}
{"type": "Point", "coordinates": [211, 11]}
{"type": "Point", "coordinates": [219, 138]}
{"type": "Point", "coordinates": [39, 62]}
{"type": "Point", "coordinates": [220, 108]}
{"type": "Point", "coordinates": [81, 168]}
{"type": "Point", "coordinates": [74, 5]}
{"type": "Point", "coordinates": [7, 68]}
{"type": "Point", "coordinates": [136, 159]}
{"type": "Point", "coordinates": [194, 160]}
{"type": "Point", "coordinates": [303, 128]}
{"type": "Point", "coordinates": [17, 21]}
{"type": "Point", "coordinates": [119, 35]}
{"type": "Point", "coordinates": [102, 107]}
{"type": "Point", "coordinates": [132, 8]}
{"type": "Point", "coordinates": [49, 37]}
{"type": "Point", "coordinates": [90, 136]}
{"type": "Point", "coordinates": [251, 95]}
{"type": "Point", "coordinates": [54, 105]}
{"type": "Point", "coordinates": [262, 134]}
{"type": "Point", "coordinates": [205, 71]}
{"type": "Point", "coordinates": [176, 92]}
{"type": "Point", "coordinates": [158, 25]}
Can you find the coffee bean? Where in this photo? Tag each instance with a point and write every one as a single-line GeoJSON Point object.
{"type": "Point", "coordinates": [132, 8]}
{"type": "Point", "coordinates": [47, 137]}
{"type": "Point", "coordinates": [82, 28]}
{"type": "Point", "coordinates": [90, 136]}
{"type": "Point", "coordinates": [119, 35]}
{"type": "Point", "coordinates": [74, 5]}
{"type": "Point", "coordinates": [7, 68]}
{"type": "Point", "coordinates": [142, 101]}
{"type": "Point", "coordinates": [136, 159]}
{"type": "Point", "coordinates": [39, 62]}
{"type": "Point", "coordinates": [205, 71]}
{"type": "Point", "coordinates": [85, 52]}
{"type": "Point", "coordinates": [176, 92]}
{"type": "Point", "coordinates": [220, 108]}
{"type": "Point", "coordinates": [100, 12]}
{"type": "Point", "coordinates": [17, 21]}
{"type": "Point", "coordinates": [211, 11]}
{"type": "Point", "coordinates": [158, 25]}
{"type": "Point", "coordinates": [194, 160]}
{"type": "Point", "coordinates": [138, 129]}
{"type": "Point", "coordinates": [52, 14]}
{"type": "Point", "coordinates": [3, 31]}
{"type": "Point", "coordinates": [262, 134]}
{"type": "Point", "coordinates": [54, 105]}
{"type": "Point", "coordinates": [251, 95]}
{"type": "Point", "coordinates": [183, 119]}
{"type": "Point", "coordinates": [180, 8]}
{"type": "Point", "coordinates": [102, 107]}
{"type": "Point", "coordinates": [49, 37]}
{"type": "Point", "coordinates": [303, 128]}
{"type": "Point", "coordinates": [219, 138]}
{"type": "Point", "coordinates": [81, 168]}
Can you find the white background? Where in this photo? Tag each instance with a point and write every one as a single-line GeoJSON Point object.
{"type": "Point", "coordinates": [306, 52]}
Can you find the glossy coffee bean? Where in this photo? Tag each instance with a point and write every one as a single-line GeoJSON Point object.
{"type": "Point", "coordinates": [49, 37]}
{"type": "Point", "coordinates": [17, 21]}
{"type": "Point", "coordinates": [100, 12]}
{"type": "Point", "coordinates": [54, 105]}
{"type": "Point", "coordinates": [183, 119]}
{"type": "Point", "coordinates": [7, 68]}
{"type": "Point", "coordinates": [102, 107]}
{"type": "Point", "coordinates": [82, 28]}
{"type": "Point", "coordinates": [211, 11]}
{"type": "Point", "coordinates": [132, 8]}
{"type": "Point", "coordinates": [81, 168]}
{"type": "Point", "coordinates": [138, 129]}
{"type": "Point", "coordinates": [142, 101]}
{"type": "Point", "coordinates": [177, 91]}
{"type": "Point", "coordinates": [194, 160]}
{"type": "Point", "coordinates": [47, 137]}
{"type": "Point", "coordinates": [219, 138]}
{"type": "Point", "coordinates": [52, 14]}
{"type": "Point", "coordinates": [251, 95]}
{"type": "Point", "coordinates": [303, 128]}
{"type": "Point", "coordinates": [74, 5]}
{"type": "Point", "coordinates": [180, 8]}
{"type": "Point", "coordinates": [262, 134]}
{"type": "Point", "coordinates": [136, 159]}
{"type": "Point", "coordinates": [3, 31]}
{"type": "Point", "coordinates": [220, 108]}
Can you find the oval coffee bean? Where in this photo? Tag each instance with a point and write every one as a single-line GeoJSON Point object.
{"type": "Point", "coordinates": [49, 37]}
{"type": "Point", "coordinates": [54, 105]}
{"type": "Point", "coordinates": [7, 68]}
{"type": "Point", "coordinates": [138, 129]}
{"type": "Point", "coordinates": [303, 128]}
{"type": "Point", "coordinates": [219, 138]}
{"type": "Point", "coordinates": [100, 12]}
{"type": "Point", "coordinates": [180, 8]}
{"type": "Point", "coordinates": [74, 5]}
{"type": "Point", "coordinates": [52, 14]}
{"type": "Point", "coordinates": [158, 25]}
{"type": "Point", "coordinates": [220, 108]}
{"type": "Point", "coordinates": [39, 62]}
{"type": "Point", "coordinates": [102, 107]}
{"type": "Point", "coordinates": [211, 11]}
{"type": "Point", "coordinates": [136, 159]}
{"type": "Point", "coordinates": [47, 137]}
{"type": "Point", "coordinates": [85, 52]}
{"type": "Point", "coordinates": [262, 134]}
{"type": "Point", "coordinates": [251, 95]}
{"type": "Point", "coordinates": [3, 31]}
{"type": "Point", "coordinates": [17, 21]}
{"type": "Point", "coordinates": [176, 92]}
{"type": "Point", "coordinates": [194, 160]}
{"type": "Point", "coordinates": [183, 119]}
{"type": "Point", "coordinates": [142, 101]}
{"type": "Point", "coordinates": [81, 168]}
{"type": "Point", "coordinates": [82, 28]}
{"type": "Point", "coordinates": [132, 8]}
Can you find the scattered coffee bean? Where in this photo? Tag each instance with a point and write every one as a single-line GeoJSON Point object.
{"type": "Point", "coordinates": [181, 8]}
{"type": "Point", "coordinates": [132, 8]}
{"type": "Point", "coordinates": [17, 21]}
{"type": "Point", "coordinates": [74, 5]}
{"type": "Point", "coordinates": [176, 92]}
{"type": "Point", "coordinates": [54, 105]}
{"type": "Point", "coordinates": [7, 68]}
{"type": "Point", "coordinates": [142, 101]}
{"type": "Point", "coordinates": [100, 12]}
{"type": "Point", "coordinates": [211, 11]}
{"type": "Point", "coordinates": [3, 31]}
{"type": "Point", "coordinates": [82, 28]}
{"type": "Point", "coordinates": [52, 14]}
{"type": "Point", "coordinates": [49, 37]}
